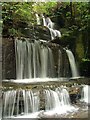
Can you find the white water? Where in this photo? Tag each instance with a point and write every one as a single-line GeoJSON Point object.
{"type": "Point", "coordinates": [36, 80]}
{"type": "Point", "coordinates": [33, 60]}
{"type": "Point", "coordinates": [59, 63]}
{"type": "Point", "coordinates": [35, 63]}
{"type": "Point", "coordinates": [72, 64]}
{"type": "Point", "coordinates": [38, 19]}
{"type": "Point", "coordinates": [26, 103]}
{"type": "Point", "coordinates": [44, 21]}
{"type": "Point", "coordinates": [50, 25]}
{"type": "Point", "coordinates": [20, 102]}
{"type": "Point", "coordinates": [57, 102]}
{"type": "Point", "coordinates": [85, 96]}
{"type": "Point", "coordinates": [44, 61]}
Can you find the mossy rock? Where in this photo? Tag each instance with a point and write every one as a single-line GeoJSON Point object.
{"type": "Point", "coordinates": [85, 68]}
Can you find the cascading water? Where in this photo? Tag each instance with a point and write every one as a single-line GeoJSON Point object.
{"type": "Point", "coordinates": [59, 63]}
{"type": "Point", "coordinates": [44, 21]}
{"type": "Point", "coordinates": [85, 95]}
{"type": "Point", "coordinates": [35, 62]}
{"type": "Point", "coordinates": [55, 33]}
{"type": "Point", "coordinates": [26, 103]}
{"type": "Point", "coordinates": [34, 59]}
{"type": "Point", "coordinates": [72, 64]}
{"type": "Point", "coordinates": [57, 102]}
{"type": "Point", "coordinates": [50, 25]}
{"type": "Point", "coordinates": [38, 19]}
{"type": "Point", "coordinates": [18, 102]}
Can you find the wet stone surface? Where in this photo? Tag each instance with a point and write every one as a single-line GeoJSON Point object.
{"type": "Point", "coordinates": [82, 112]}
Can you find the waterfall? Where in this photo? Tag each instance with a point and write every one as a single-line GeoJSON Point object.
{"type": "Point", "coordinates": [26, 103]}
{"type": "Point", "coordinates": [85, 95]}
{"type": "Point", "coordinates": [33, 60]}
{"type": "Point", "coordinates": [56, 99]}
{"type": "Point", "coordinates": [50, 25]}
{"type": "Point", "coordinates": [38, 19]}
{"type": "Point", "coordinates": [44, 21]}
{"type": "Point", "coordinates": [59, 63]}
{"type": "Point", "coordinates": [9, 102]}
{"type": "Point", "coordinates": [53, 33]}
{"type": "Point", "coordinates": [57, 102]}
{"type": "Point", "coordinates": [72, 64]}
{"type": "Point", "coordinates": [58, 34]}
{"type": "Point", "coordinates": [44, 61]}
{"type": "Point", "coordinates": [51, 68]}
{"type": "Point", "coordinates": [37, 62]}
{"type": "Point", "coordinates": [18, 102]}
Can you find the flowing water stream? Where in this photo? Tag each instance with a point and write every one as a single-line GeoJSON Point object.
{"type": "Point", "coordinates": [50, 25]}
{"type": "Point", "coordinates": [35, 62]}
{"type": "Point", "coordinates": [85, 95]}
{"type": "Point", "coordinates": [72, 64]}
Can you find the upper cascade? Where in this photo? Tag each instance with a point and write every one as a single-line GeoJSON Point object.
{"type": "Point", "coordinates": [38, 19]}
{"type": "Point", "coordinates": [49, 24]}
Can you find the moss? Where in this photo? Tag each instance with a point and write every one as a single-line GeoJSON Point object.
{"type": "Point", "coordinates": [80, 50]}
{"type": "Point", "coordinates": [84, 66]}
{"type": "Point", "coordinates": [79, 47]}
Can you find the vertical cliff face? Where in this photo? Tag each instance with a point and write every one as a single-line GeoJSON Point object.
{"type": "Point", "coordinates": [8, 59]}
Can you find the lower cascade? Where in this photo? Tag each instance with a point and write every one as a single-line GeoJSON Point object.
{"type": "Point", "coordinates": [85, 95]}
{"type": "Point", "coordinates": [26, 103]}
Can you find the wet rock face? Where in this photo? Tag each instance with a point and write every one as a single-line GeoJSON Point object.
{"type": "Point", "coordinates": [43, 32]}
{"type": "Point", "coordinates": [37, 32]}
{"type": "Point", "coordinates": [8, 58]}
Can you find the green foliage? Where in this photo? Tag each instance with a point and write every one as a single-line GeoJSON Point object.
{"type": "Point", "coordinates": [17, 11]}
{"type": "Point", "coordinates": [73, 16]}
{"type": "Point", "coordinates": [44, 7]}
{"type": "Point", "coordinates": [16, 14]}
{"type": "Point", "coordinates": [85, 60]}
